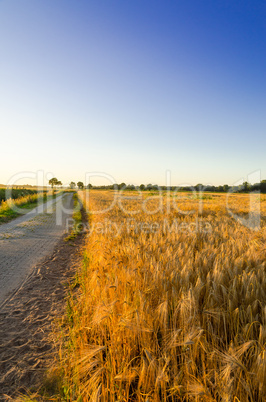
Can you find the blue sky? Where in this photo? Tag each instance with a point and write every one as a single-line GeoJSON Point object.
{"type": "Point", "coordinates": [133, 89]}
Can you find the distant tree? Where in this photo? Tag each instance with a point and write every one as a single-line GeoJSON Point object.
{"type": "Point", "coordinates": [225, 187]}
{"type": "Point", "coordinates": [142, 187]}
{"type": "Point", "coordinates": [80, 184]}
{"type": "Point", "coordinates": [72, 184]}
{"type": "Point", "coordinates": [53, 182]}
{"type": "Point", "coordinates": [131, 187]}
{"type": "Point", "coordinates": [263, 186]}
{"type": "Point", "coordinates": [59, 183]}
{"type": "Point", "coordinates": [199, 187]}
{"type": "Point", "coordinates": [122, 185]}
{"type": "Point", "coordinates": [246, 186]}
{"type": "Point", "coordinates": [89, 186]}
{"type": "Point", "coordinates": [255, 187]}
{"type": "Point", "coordinates": [210, 188]}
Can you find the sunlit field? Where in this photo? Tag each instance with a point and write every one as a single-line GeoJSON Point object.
{"type": "Point", "coordinates": [169, 304]}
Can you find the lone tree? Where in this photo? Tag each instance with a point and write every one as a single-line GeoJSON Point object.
{"type": "Point", "coordinates": [72, 184]}
{"type": "Point", "coordinates": [54, 182]}
{"type": "Point", "coordinates": [80, 184]}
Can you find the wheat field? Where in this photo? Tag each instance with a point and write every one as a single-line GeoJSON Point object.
{"type": "Point", "coordinates": [169, 304]}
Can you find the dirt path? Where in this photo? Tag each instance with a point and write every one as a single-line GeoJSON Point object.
{"type": "Point", "coordinates": [27, 240]}
{"type": "Point", "coordinates": [27, 347]}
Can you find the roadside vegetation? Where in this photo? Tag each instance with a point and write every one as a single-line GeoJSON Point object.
{"type": "Point", "coordinates": [77, 219]}
{"type": "Point", "coordinates": [14, 207]}
{"type": "Point", "coordinates": [15, 193]}
{"type": "Point", "coordinates": [167, 306]}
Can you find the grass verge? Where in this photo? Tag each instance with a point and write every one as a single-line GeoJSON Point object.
{"type": "Point", "coordinates": [9, 208]}
{"type": "Point", "coordinates": [77, 219]}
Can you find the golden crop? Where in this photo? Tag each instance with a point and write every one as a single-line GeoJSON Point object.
{"type": "Point", "coordinates": [171, 304]}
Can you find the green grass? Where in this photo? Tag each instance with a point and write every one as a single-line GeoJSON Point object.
{"type": "Point", "coordinates": [77, 216]}
{"type": "Point", "coordinates": [31, 201]}
{"type": "Point", "coordinates": [16, 193]}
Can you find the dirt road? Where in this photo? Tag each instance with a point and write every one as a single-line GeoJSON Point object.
{"type": "Point", "coordinates": [27, 240]}
{"type": "Point", "coordinates": [29, 344]}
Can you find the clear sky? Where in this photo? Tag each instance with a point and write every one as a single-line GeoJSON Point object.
{"type": "Point", "coordinates": [133, 88]}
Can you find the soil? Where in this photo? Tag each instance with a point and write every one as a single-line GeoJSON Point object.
{"type": "Point", "coordinates": [27, 347]}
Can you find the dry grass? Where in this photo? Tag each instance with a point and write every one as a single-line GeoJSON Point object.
{"type": "Point", "coordinates": [168, 315]}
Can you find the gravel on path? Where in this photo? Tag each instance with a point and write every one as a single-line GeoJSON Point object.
{"type": "Point", "coordinates": [28, 239]}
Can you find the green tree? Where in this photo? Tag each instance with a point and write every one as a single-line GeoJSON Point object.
{"type": "Point", "coordinates": [246, 186]}
{"type": "Point", "coordinates": [80, 184]}
{"type": "Point", "coordinates": [263, 186]}
{"type": "Point", "coordinates": [199, 187]}
{"type": "Point", "coordinates": [130, 187]}
{"type": "Point", "coordinates": [53, 182]}
{"type": "Point", "coordinates": [72, 184]}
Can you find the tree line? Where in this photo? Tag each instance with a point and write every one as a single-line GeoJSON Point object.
{"type": "Point", "coordinates": [243, 188]}
{"type": "Point", "coordinates": [55, 182]}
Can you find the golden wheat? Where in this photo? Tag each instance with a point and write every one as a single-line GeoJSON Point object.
{"type": "Point", "coordinates": [171, 304]}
